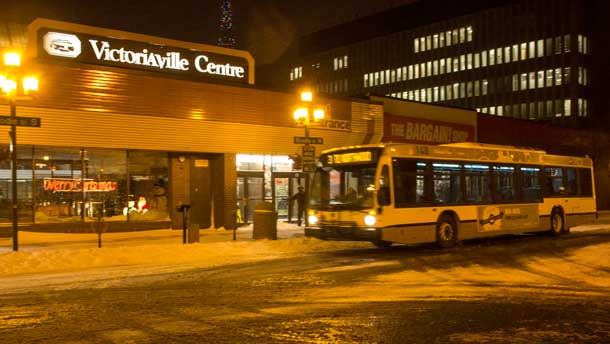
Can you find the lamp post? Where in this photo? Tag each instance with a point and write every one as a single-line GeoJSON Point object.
{"type": "Point", "coordinates": [14, 84]}
{"type": "Point", "coordinates": [306, 114]}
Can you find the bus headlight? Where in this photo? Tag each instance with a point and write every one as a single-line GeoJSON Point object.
{"type": "Point", "coordinates": [312, 219]}
{"type": "Point", "coordinates": [370, 220]}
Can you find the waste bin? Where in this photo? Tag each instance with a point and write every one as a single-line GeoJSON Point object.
{"type": "Point", "coordinates": [265, 221]}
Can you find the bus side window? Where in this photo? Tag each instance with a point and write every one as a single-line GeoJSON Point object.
{"type": "Point", "coordinates": [585, 182]}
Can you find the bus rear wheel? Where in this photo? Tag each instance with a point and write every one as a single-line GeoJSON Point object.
{"type": "Point", "coordinates": [446, 231]}
{"type": "Point", "coordinates": [557, 223]}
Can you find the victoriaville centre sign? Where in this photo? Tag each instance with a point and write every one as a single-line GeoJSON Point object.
{"type": "Point", "coordinates": [196, 61]}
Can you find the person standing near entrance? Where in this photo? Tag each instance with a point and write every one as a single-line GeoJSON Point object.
{"type": "Point", "coordinates": [300, 198]}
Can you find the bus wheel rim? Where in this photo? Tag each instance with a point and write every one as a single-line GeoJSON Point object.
{"type": "Point", "coordinates": [446, 232]}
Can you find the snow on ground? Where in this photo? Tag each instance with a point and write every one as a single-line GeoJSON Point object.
{"type": "Point", "coordinates": [51, 259]}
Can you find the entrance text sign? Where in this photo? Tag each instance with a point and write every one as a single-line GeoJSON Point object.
{"type": "Point", "coordinates": [309, 158]}
{"type": "Point", "coordinates": [311, 140]}
{"type": "Point", "coordinates": [88, 48]}
{"type": "Point", "coordinates": [20, 121]}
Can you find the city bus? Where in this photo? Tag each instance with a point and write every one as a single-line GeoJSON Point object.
{"type": "Point", "coordinates": [411, 193]}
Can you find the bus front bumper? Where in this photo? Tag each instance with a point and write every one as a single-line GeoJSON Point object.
{"type": "Point", "coordinates": [344, 233]}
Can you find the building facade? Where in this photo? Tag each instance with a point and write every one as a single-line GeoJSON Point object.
{"type": "Point", "coordinates": [534, 59]}
{"type": "Point", "coordinates": [132, 126]}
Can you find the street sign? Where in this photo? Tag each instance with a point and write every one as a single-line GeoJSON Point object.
{"type": "Point", "coordinates": [300, 140]}
{"type": "Point", "coordinates": [309, 158]}
{"type": "Point", "coordinates": [20, 121]}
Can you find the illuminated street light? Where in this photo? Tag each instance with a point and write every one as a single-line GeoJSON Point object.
{"type": "Point", "coordinates": [10, 82]}
{"type": "Point", "coordinates": [308, 113]}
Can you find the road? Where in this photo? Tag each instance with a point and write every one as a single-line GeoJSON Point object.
{"type": "Point", "coordinates": [518, 289]}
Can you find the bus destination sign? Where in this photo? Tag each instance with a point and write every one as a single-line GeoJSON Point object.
{"type": "Point", "coordinates": [349, 158]}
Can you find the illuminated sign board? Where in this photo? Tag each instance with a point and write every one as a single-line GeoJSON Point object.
{"type": "Point", "coordinates": [401, 129]}
{"type": "Point", "coordinates": [87, 48]}
{"type": "Point", "coordinates": [351, 158]}
{"type": "Point", "coordinates": [77, 185]}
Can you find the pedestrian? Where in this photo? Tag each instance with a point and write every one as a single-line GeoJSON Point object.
{"type": "Point", "coordinates": [300, 198]}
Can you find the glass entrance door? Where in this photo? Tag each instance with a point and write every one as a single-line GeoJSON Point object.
{"type": "Point", "coordinates": [285, 185]}
{"type": "Point", "coordinates": [250, 191]}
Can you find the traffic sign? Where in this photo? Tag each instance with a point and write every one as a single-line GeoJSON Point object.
{"type": "Point", "coordinates": [311, 140]}
{"type": "Point", "coordinates": [20, 121]}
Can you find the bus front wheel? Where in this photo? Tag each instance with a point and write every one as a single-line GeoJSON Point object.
{"type": "Point", "coordinates": [557, 222]}
{"type": "Point", "coordinates": [446, 231]}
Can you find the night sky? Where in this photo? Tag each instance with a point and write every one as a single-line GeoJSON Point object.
{"type": "Point", "coordinates": [266, 28]}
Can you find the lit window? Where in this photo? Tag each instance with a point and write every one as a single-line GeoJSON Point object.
{"type": "Point", "coordinates": [456, 64]}
{"type": "Point", "coordinates": [516, 82]}
{"type": "Point", "coordinates": [462, 90]}
{"type": "Point", "coordinates": [523, 81]}
{"type": "Point", "coordinates": [429, 68]}
{"type": "Point", "coordinates": [477, 60]}
{"type": "Point", "coordinates": [532, 80]}
{"type": "Point", "coordinates": [477, 88]}
{"type": "Point", "coordinates": [532, 50]}
{"type": "Point", "coordinates": [558, 107]}
{"type": "Point", "coordinates": [448, 37]}
{"type": "Point", "coordinates": [567, 107]}
{"type": "Point", "coordinates": [462, 62]}
{"type": "Point", "coordinates": [540, 79]}
{"type": "Point", "coordinates": [428, 42]}
{"type": "Point", "coordinates": [416, 69]}
{"type": "Point", "coordinates": [469, 34]}
{"type": "Point", "coordinates": [585, 45]}
{"type": "Point", "coordinates": [469, 61]}
{"type": "Point", "coordinates": [417, 95]}
{"type": "Point", "coordinates": [340, 63]}
{"type": "Point", "coordinates": [539, 48]}
{"type": "Point", "coordinates": [442, 93]}
{"type": "Point", "coordinates": [291, 75]}
{"type": "Point", "coordinates": [456, 90]}
{"type": "Point", "coordinates": [345, 61]}
{"type": "Point", "coordinates": [492, 110]}
{"type": "Point", "coordinates": [492, 57]}
{"type": "Point", "coordinates": [515, 53]}
{"type": "Point", "coordinates": [429, 95]}
{"type": "Point", "coordinates": [484, 87]}
{"type": "Point", "coordinates": [376, 82]}
{"type": "Point", "coordinates": [449, 90]}
{"type": "Point", "coordinates": [523, 51]}
{"type": "Point", "coordinates": [506, 54]}
{"type": "Point", "coordinates": [422, 70]}
{"type": "Point", "coordinates": [549, 108]}
{"type": "Point", "coordinates": [455, 36]}
{"type": "Point", "coordinates": [462, 35]}
{"type": "Point", "coordinates": [449, 65]}
{"type": "Point", "coordinates": [566, 43]}
{"type": "Point", "coordinates": [442, 66]}
{"type": "Point", "coordinates": [393, 76]}
{"type": "Point", "coordinates": [404, 73]}
{"type": "Point", "coordinates": [557, 76]}
{"type": "Point", "coordinates": [499, 55]}
{"type": "Point", "coordinates": [398, 74]}
{"type": "Point", "coordinates": [387, 76]}
{"type": "Point", "coordinates": [435, 41]}
{"type": "Point", "coordinates": [549, 78]}
{"type": "Point", "coordinates": [410, 69]}
{"type": "Point", "coordinates": [469, 89]}
{"type": "Point", "coordinates": [558, 45]}
{"type": "Point", "coordinates": [500, 112]}
{"type": "Point", "coordinates": [484, 58]}
{"type": "Point", "coordinates": [422, 44]}
{"type": "Point", "coordinates": [435, 67]}
{"type": "Point", "coordinates": [441, 40]}
{"type": "Point", "coordinates": [335, 63]}
{"type": "Point", "coordinates": [566, 75]}
{"type": "Point", "coordinates": [435, 92]}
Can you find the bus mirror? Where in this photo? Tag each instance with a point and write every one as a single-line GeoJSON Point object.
{"type": "Point", "coordinates": [383, 196]}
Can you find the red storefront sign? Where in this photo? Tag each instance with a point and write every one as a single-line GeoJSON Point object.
{"type": "Point", "coordinates": [76, 185]}
{"type": "Point", "coordinates": [401, 129]}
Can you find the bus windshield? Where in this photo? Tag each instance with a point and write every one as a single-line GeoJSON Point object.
{"type": "Point", "coordinates": [343, 187]}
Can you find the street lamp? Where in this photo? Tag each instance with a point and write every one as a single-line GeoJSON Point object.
{"type": "Point", "coordinates": [306, 114]}
{"type": "Point", "coordinates": [14, 84]}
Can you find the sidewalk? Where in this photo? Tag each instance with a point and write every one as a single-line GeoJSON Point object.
{"type": "Point", "coordinates": [33, 241]}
